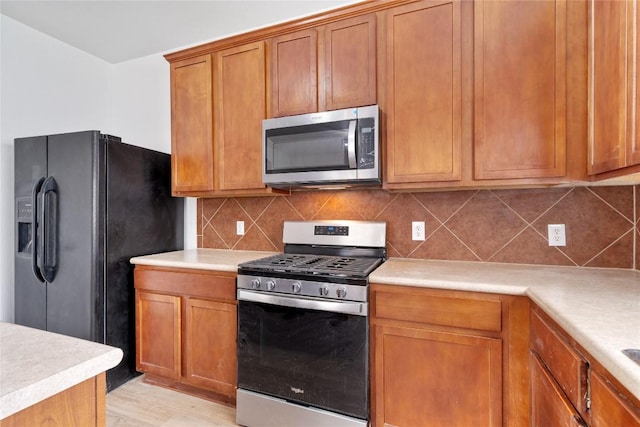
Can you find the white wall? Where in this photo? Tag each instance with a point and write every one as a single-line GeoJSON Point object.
{"type": "Point", "coordinates": [47, 86]}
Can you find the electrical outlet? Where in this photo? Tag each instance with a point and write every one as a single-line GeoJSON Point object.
{"type": "Point", "coordinates": [417, 230]}
{"type": "Point", "coordinates": [239, 228]}
{"type": "Point", "coordinates": [557, 236]}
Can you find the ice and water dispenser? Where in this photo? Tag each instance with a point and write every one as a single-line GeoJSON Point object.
{"type": "Point", "coordinates": [24, 218]}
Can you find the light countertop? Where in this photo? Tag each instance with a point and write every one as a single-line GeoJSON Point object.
{"type": "Point", "coordinates": [600, 308]}
{"type": "Point", "coordinates": [35, 365]}
{"type": "Point", "coordinates": [203, 259]}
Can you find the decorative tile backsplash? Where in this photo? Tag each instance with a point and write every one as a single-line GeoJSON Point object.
{"type": "Point", "coordinates": [478, 225]}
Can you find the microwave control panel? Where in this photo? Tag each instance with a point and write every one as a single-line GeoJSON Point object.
{"type": "Point", "coordinates": [366, 143]}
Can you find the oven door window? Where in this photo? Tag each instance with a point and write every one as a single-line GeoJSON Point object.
{"type": "Point", "coordinates": [311, 357]}
{"type": "Point", "coordinates": [316, 147]}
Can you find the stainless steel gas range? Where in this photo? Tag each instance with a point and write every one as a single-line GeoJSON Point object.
{"type": "Point", "coordinates": [303, 336]}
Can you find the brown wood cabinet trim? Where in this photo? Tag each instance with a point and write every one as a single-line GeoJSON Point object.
{"type": "Point", "coordinates": [310, 21]}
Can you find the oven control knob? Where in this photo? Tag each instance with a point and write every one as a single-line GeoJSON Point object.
{"type": "Point", "coordinates": [341, 292]}
{"type": "Point", "coordinates": [271, 285]}
{"type": "Point", "coordinates": [295, 287]}
{"type": "Point", "coordinates": [255, 283]}
{"type": "Point", "coordinates": [324, 291]}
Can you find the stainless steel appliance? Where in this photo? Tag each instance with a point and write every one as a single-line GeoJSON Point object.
{"type": "Point", "coordinates": [85, 204]}
{"type": "Point", "coordinates": [303, 347]}
{"type": "Point", "coordinates": [339, 147]}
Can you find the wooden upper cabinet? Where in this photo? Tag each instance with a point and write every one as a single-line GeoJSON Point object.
{"type": "Point", "coordinates": [423, 90]}
{"type": "Point", "coordinates": [329, 67]}
{"type": "Point", "coordinates": [240, 105]}
{"type": "Point", "coordinates": [520, 62]}
{"type": "Point", "coordinates": [294, 73]}
{"type": "Point", "coordinates": [192, 125]}
{"type": "Point", "coordinates": [613, 139]}
{"type": "Point", "coordinates": [350, 62]}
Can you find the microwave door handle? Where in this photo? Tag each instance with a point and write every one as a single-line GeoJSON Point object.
{"type": "Point", "coordinates": [351, 144]}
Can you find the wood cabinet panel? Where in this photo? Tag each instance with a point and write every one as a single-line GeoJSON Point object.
{"type": "Point", "coordinates": [613, 86]}
{"type": "Point", "coordinates": [81, 405]}
{"type": "Point", "coordinates": [423, 90]}
{"type": "Point", "coordinates": [210, 345]}
{"type": "Point", "coordinates": [420, 374]}
{"type": "Point", "coordinates": [520, 89]}
{"type": "Point", "coordinates": [550, 406]}
{"type": "Point", "coordinates": [158, 334]}
{"type": "Point", "coordinates": [609, 407]}
{"type": "Point", "coordinates": [294, 73]}
{"type": "Point", "coordinates": [350, 62]}
{"type": "Point", "coordinates": [608, 85]}
{"type": "Point", "coordinates": [240, 108]}
{"type": "Point", "coordinates": [192, 125]}
{"type": "Point", "coordinates": [567, 366]}
{"type": "Point", "coordinates": [447, 310]}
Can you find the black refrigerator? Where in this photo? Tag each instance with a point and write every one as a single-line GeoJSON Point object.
{"type": "Point", "coordinates": [85, 204]}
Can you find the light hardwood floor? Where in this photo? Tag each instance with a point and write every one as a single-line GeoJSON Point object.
{"type": "Point", "coordinates": [137, 404]}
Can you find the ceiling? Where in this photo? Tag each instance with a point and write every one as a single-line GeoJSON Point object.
{"type": "Point", "coordinates": [120, 30]}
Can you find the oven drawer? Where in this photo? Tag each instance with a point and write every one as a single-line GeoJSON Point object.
{"type": "Point", "coordinates": [444, 308]}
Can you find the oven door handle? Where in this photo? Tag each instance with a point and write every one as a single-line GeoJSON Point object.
{"type": "Point", "coordinates": [345, 307]}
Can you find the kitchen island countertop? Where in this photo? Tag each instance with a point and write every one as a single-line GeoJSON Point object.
{"type": "Point", "coordinates": [35, 365]}
{"type": "Point", "coordinates": [599, 307]}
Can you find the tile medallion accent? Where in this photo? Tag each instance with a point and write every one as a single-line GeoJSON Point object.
{"type": "Point", "coordinates": [475, 225]}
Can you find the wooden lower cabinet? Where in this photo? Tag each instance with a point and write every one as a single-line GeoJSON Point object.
{"type": "Point", "coordinates": [448, 358]}
{"type": "Point", "coordinates": [549, 405]}
{"type": "Point", "coordinates": [81, 405]}
{"type": "Point", "coordinates": [186, 329]}
{"type": "Point", "coordinates": [571, 388]}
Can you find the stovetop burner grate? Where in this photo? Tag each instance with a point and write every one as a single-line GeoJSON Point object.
{"type": "Point", "coordinates": [315, 265]}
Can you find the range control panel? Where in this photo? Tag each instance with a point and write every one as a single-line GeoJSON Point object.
{"type": "Point", "coordinates": [331, 230]}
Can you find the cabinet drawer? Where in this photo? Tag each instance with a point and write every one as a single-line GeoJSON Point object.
{"type": "Point", "coordinates": [567, 366]}
{"type": "Point", "coordinates": [470, 312]}
{"type": "Point", "coordinates": [200, 283]}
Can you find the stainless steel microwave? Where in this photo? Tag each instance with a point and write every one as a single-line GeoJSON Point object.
{"type": "Point", "coordinates": [340, 147]}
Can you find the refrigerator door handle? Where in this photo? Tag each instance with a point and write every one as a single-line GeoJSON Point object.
{"type": "Point", "coordinates": [35, 218]}
{"type": "Point", "coordinates": [49, 243]}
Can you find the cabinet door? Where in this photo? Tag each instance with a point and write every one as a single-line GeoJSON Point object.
{"type": "Point", "coordinates": [609, 408]}
{"type": "Point", "coordinates": [423, 80]}
{"type": "Point", "coordinates": [520, 89]}
{"type": "Point", "coordinates": [294, 73]}
{"type": "Point", "coordinates": [240, 108]}
{"type": "Point", "coordinates": [158, 334]}
{"type": "Point", "coordinates": [350, 62]}
{"type": "Point", "coordinates": [608, 87]}
{"type": "Point", "coordinates": [424, 377]}
{"type": "Point", "coordinates": [210, 345]}
{"type": "Point", "coordinates": [192, 125]}
{"type": "Point", "coordinates": [549, 405]}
